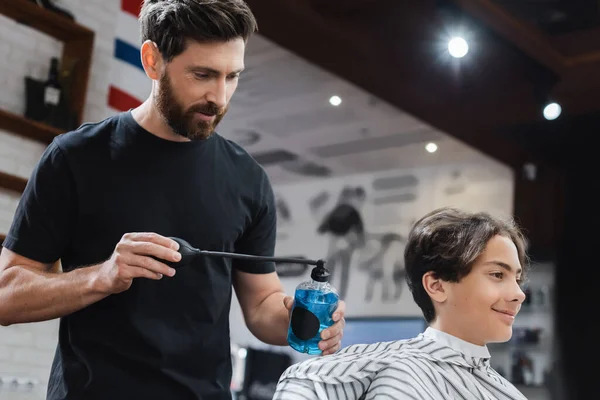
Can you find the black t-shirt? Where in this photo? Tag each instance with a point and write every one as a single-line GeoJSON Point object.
{"type": "Point", "coordinates": [166, 339]}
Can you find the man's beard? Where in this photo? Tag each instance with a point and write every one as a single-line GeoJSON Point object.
{"type": "Point", "coordinates": [182, 121]}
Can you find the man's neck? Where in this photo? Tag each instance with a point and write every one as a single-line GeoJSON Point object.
{"type": "Point", "coordinates": [148, 117]}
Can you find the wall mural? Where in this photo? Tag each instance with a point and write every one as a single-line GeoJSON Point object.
{"type": "Point", "coordinates": [381, 262]}
{"type": "Point", "coordinates": [359, 225]}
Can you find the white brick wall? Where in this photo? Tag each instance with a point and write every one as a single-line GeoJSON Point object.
{"type": "Point", "coordinates": [26, 350]}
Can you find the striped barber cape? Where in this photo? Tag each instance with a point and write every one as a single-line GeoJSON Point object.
{"type": "Point", "coordinates": [432, 366]}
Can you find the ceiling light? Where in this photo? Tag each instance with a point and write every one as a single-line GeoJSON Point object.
{"type": "Point", "coordinates": [242, 352]}
{"type": "Point", "coordinates": [552, 111]}
{"type": "Point", "coordinates": [458, 47]}
{"type": "Point", "coordinates": [431, 147]}
{"type": "Point", "coordinates": [335, 100]}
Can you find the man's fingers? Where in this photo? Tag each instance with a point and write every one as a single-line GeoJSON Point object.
{"type": "Point", "coordinates": [153, 238]}
{"type": "Point", "coordinates": [156, 250]}
{"type": "Point", "coordinates": [288, 302]}
{"type": "Point", "coordinates": [329, 343]}
{"type": "Point", "coordinates": [333, 330]}
{"type": "Point", "coordinates": [138, 272]}
{"type": "Point", "coordinates": [330, 348]}
{"type": "Point", "coordinates": [150, 264]}
{"type": "Point", "coordinates": [340, 311]}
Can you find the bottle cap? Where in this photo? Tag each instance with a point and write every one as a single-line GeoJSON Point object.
{"type": "Point", "coordinates": [320, 273]}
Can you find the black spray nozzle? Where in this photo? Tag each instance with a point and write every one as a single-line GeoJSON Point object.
{"type": "Point", "coordinates": [188, 253]}
{"type": "Point", "coordinates": [320, 273]}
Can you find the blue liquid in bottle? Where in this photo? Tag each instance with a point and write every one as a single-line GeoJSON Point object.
{"type": "Point", "coordinates": [314, 304]}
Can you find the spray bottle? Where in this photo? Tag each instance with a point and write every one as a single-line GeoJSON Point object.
{"type": "Point", "coordinates": [315, 300]}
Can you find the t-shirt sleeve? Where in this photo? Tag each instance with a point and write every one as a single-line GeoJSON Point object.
{"type": "Point", "coordinates": [259, 237]}
{"type": "Point", "coordinates": [46, 212]}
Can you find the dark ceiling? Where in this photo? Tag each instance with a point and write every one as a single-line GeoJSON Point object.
{"type": "Point", "coordinates": [522, 54]}
{"type": "Point", "coordinates": [555, 16]}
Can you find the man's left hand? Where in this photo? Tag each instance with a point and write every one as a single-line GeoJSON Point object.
{"type": "Point", "coordinates": [332, 336]}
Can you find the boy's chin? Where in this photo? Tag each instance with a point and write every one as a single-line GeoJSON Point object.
{"type": "Point", "coordinates": [502, 337]}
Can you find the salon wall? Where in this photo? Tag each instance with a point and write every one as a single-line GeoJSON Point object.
{"type": "Point", "coordinates": [26, 351]}
{"type": "Point", "coordinates": [387, 203]}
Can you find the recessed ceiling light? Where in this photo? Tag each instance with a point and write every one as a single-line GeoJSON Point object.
{"type": "Point", "coordinates": [242, 353]}
{"type": "Point", "coordinates": [458, 47]}
{"type": "Point", "coordinates": [335, 100]}
{"type": "Point", "coordinates": [552, 111]}
{"type": "Point", "coordinates": [431, 147]}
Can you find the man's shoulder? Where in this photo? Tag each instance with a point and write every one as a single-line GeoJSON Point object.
{"type": "Point", "coordinates": [239, 156]}
{"type": "Point", "coordinates": [89, 134]}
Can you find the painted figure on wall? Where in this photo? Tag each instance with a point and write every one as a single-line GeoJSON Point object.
{"type": "Point", "coordinates": [345, 228]}
{"type": "Point", "coordinates": [379, 255]}
{"type": "Point", "coordinates": [384, 265]}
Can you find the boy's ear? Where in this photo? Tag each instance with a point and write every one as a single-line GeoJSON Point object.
{"type": "Point", "coordinates": [434, 287]}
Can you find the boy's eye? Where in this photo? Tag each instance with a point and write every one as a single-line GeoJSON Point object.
{"type": "Point", "coordinates": [520, 281]}
{"type": "Point", "coordinates": [498, 275]}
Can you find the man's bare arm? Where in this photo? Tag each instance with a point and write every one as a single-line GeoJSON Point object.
{"type": "Point", "coordinates": [31, 292]}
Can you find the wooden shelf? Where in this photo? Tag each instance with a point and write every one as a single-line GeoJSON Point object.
{"type": "Point", "coordinates": [12, 182]}
{"type": "Point", "coordinates": [27, 128]}
{"type": "Point", "coordinates": [30, 14]}
{"type": "Point", "coordinates": [78, 43]}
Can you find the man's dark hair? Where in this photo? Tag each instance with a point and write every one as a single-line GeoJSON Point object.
{"type": "Point", "coordinates": [447, 242]}
{"type": "Point", "coordinates": [172, 23]}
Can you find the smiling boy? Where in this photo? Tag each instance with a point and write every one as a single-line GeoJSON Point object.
{"type": "Point", "coordinates": [465, 272]}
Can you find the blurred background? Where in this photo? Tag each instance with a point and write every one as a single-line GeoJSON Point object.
{"type": "Point", "coordinates": [390, 107]}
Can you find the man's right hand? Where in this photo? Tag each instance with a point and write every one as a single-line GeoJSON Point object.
{"type": "Point", "coordinates": [132, 258]}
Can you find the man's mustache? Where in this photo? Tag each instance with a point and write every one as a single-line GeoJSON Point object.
{"type": "Point", "coordinates": [208, 109]}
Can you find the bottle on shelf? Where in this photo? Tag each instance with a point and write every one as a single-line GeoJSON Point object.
{"type": "Point", "coordinates": [315, 301]}
{"type": "Point", "coordinates": [52, 93]}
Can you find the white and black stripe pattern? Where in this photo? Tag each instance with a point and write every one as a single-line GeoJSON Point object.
{"type": "Point", "coordinates": [415, 369]}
